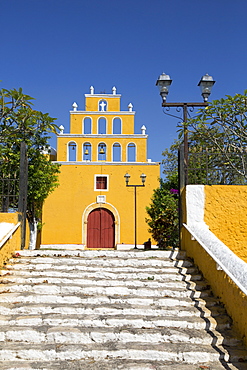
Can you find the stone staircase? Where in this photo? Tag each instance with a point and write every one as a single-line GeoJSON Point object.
{"type": "Point", "coordinates": [108, 310]}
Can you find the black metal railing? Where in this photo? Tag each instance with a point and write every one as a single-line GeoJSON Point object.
{"type": "Point", "coordinates": [13, 188]}
{"type": "Point", "coordinates": [211, 167]}
{"type": "Point", "coordinates": [207, 166]}
{"type": "Point", "coordinates": [9, 192]}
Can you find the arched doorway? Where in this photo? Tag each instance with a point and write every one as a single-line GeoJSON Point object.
{"type": "Point", "coordinates": [100, 229]}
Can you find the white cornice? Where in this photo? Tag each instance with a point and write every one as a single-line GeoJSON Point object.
{"type": "Point", "coordinates": [88, 163]}
{"type": "Point", "coordinates": [102, 96]}
{"type": "Point", "coordinates": [106, 136]}
{"type": "Point", "coordinates": [102, 113]}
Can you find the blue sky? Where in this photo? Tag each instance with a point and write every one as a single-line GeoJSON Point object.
{"type": "Point", "coordinates": [56, 49]}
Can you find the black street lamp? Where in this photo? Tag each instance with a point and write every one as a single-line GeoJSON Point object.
{"type": "Point", "coordinates": [127, 178]}
{"type": "Point", "coordinates": [164, 82]}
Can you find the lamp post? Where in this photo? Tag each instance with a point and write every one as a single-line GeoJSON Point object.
{"type": "Point", "coordinates": [127, 178]}
{"type": "Point", "coordinates": [164, 82]}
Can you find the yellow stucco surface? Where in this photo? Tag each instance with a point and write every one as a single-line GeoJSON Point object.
{"type": "Point", "coordinates": [14, 242]}
{"type": "Point", "coordinates": [234, 300]}
{"type": "Point", "coordinates": [226, 216]}
{"type": "Point", "coordinates": [64, 215]}
{"type": "Point", "coordinates": [63, 141]}
{"type": "Point", "coordinates": [77, 122]}
{"type": "Point", "coordinates": [92, 102]}
{"type": "Point", "coordinates": [66, 211]}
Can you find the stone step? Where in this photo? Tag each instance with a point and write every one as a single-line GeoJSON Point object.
{"type": "Point", "coordinates": [41, 291]}
{"type": "Point", "coordinates": [125, 333]}
{"type": "Point", "coordinates": [110, 310]}
{"type": "Point", "coordinates": [118, 318]}
{"type": "Point", "coordinates": [80, 263]}
{"type": "Point", "coordinates": [114, 278]}
{"type": "Point", "coordinates": [116, 364]}
{"type": "Point", "coordinates": [121, 274]}
{"type": "Point", "coordinates": [149, 304]}
{"type": "Point", "coordinates": [60, 286]}
{"type": "Point", "coordinates": [179, 352]}
{"type": "Point", "coordinates": [176, 254]}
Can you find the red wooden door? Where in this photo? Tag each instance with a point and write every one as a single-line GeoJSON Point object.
{"type": "Point", "coordinates": [100, 229]}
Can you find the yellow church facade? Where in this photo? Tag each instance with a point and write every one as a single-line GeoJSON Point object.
{"type": "Point", "coordinates": [93, 207]}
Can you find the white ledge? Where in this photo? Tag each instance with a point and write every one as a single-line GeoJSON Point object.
{"type": "Point", "coordinates": [231, 264]}
{"type": "Point", "coordinates": [103, 113]}
{"type": "Point", "coordinates": [9, 235]}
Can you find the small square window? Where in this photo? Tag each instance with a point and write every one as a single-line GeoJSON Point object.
{"type": "Point", "coordinates": [101, 182]}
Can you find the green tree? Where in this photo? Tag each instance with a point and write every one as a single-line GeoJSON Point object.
{"type": "Point", "coordinates": [20, 123]}
{"type": "Point", "coordinates": [223, 126]}
{"type": "Point", "coordinates": [163, 215]}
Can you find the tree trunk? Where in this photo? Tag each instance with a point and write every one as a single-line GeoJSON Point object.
{"type": "Point", "coordinates": [33, 233]}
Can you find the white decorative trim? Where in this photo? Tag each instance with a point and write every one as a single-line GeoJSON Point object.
{"type": "Point", "coordinates": [9, 235]}
{"type": "Point", "coordinates": [110, 208]}
{"type": "Point", "coordinates": [143, 129]}
{"type": "Point", "coordinates": [76, 151]}
{"type": "Point", "coordinates": [109, 136]}
{"type": "Point", "coordinates": [61, 128]}
{"type": "Point", "coordinates": [83, 125]}
{"type": "Point", "coordinates": [101, 199]}
{"type": "Point", "coordinates": [107, 113]}
{"type": "Point", "coordinates": [112, 125]}
{"type": "Point", "coordinates": [103, 95]}
{"type": "Point", "coordinates": [128, 152]}
{"type": "Point", "coordinates": [195, 202]}
{"type": "Point", "coordinates": [106, 126]}
{"type": "Point", "coordinates": [112, 149]}
{"type": "Point", "coordinates": [100, 163]}
{"type": "Point", "coordinates": [100, 175]}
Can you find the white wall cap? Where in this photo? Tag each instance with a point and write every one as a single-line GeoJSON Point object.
{"type": "Point", "coordinates": [195, 198]}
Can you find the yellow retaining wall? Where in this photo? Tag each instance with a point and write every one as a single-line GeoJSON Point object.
{"type": "Point", "coordinates": [229, 294]}
{"type": "Point", "coordinates": [13, 243]}
{"type": "Point", "coordinates": [226, 216]}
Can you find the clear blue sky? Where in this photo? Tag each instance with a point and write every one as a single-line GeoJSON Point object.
{"type": "Point", "coordinates": [56, 49]}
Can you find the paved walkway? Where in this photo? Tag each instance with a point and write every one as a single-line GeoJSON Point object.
{"type": "Point", "coordinates": [112, 310]}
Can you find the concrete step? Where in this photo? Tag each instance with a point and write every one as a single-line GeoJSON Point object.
{"type": "Point", "coordinates": [97, 273]}
{"type": "Point", "coordinates": [121, 263]}
{"type": "Point", "coordinates": [80, 292]}
{"type": "Point", "coordinates": [60, 286]}
{"type": "Point", "coordinates": [110, 309]}
{"type": "Point", "coordinates": [179, 352]}
{"type": "Point", "coordinates": [68, 332]}
{"type": "Point", "coordinates": [176, 254]}
{"type": "Point", "coordinates": [118, 318]}
{"type": "Point", "coordinates": [117, 364]}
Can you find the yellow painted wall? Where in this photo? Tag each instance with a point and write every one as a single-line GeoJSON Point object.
{"type": "Point", "coordinates": [64, 208]}
{"type": "Point", "coordinates": [77, 120]}
{"type": "Point", "coordinates": [223, 287]}
{"type": "Point", "coordinates": [226, 215]}
{"type": "Point", "coordinates": [140, 142]}
{"type": "Point", "coordinates": [13, 243]}
{"type": "Point", "coordinates": [113, 102]}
